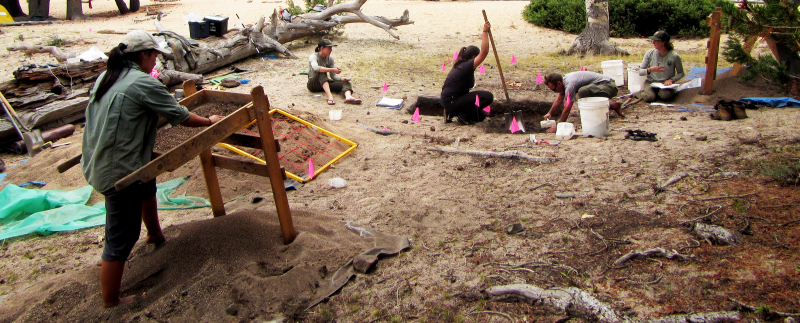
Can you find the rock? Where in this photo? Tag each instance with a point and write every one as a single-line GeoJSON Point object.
{"type": "Point", "coordinates": [565, 195]}
{"type": "Point", "coordinates": [232, 310]}
{"type": "Point", "coordinates": [230, 82]}
{"type": "Point", "coordinates": [717, 235]}
{"type": "Point", "coordinates": [404, 121]}
{"type": "Point", "coordinates": [682, 118]}
{"type": "Point", "coordinates": [367, 112]}
{"type": "Point", "coordinates": [701, 138]}
{"type": "Point", "coordinates": [256, 199]}
{"type": "Point", "coordinates": [515, 228]}
{"type": "Point", "coordinates": [433, 128]}
{"type": "Point", "coordinates": [623, 161]}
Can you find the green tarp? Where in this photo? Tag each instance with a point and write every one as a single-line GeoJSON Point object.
{"type": "Point", "coordinates": [24, 211]}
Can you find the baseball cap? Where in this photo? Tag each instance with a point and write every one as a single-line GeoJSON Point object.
{"type": "Point", "coordinates": [660, 35]}
{"type": "Point", "coordinates": [326, 43]}
{"type": "Point", "coordinates": [139, 40]}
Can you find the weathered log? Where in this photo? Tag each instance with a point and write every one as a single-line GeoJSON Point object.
{"type": "Point", "coordinates": [77, 72]}
{"type": "Point", "coordinates": [170, 77]}
{"type": "Point", "coordinates": [52, 50]}
{"type": "Point", "coordinates": [505, 154]}
{"type": "Point", "coordinates": [52, 115]}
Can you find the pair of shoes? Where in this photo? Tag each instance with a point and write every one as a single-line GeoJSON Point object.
{"type": "Point", "coordinates": [639, 135]}
{"type": "Point", "coordinates": [331, 102]}
{"type": "Point", "coordinates": [728, 110]}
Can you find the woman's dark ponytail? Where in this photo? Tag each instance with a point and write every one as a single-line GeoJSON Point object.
{"type": "Point", "coordinates": [466, 53]}
{"type": "Point", "coordinates": [116, 63]}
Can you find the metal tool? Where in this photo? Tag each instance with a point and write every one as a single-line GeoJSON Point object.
{"type": "Point", "coordinates": [31, 138]}
{"type": "Point", "coordinates": [499, 68]}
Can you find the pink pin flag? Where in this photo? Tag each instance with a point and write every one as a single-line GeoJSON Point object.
{"type": "Point", "coordinates": [385, 87]}
{"type": "Point", "coordinates": [477, 101]}
{"type": "Point", "coordinates": [583, 68]}
{"type": "Point", "coordinates": [488, 109]}
{"type": "Point", "coordinates": [310, 169]}
{"type": "Point", "coordinates": [415, 117]}
{"type": "Point", "coordinates": [455, 56]}
{"type": "Point", "coordinates": [568, 100]}
{"type": "Point", "coordinates": [90, 29]}
{"type": "Point", "coordinates": [513, 59]}
{"type": "Point", "coordinates": [539, 79]}
{"type": "Point", "coordinates": [442, 66]}
{"type": "Point", "coordinates": [514, 127]}
{"type": "Point", "coordinates": [449, 60]}
{"type": "Point", "coordinates": [482, 69]}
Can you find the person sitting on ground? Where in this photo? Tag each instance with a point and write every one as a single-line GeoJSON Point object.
{"type": "Point", "coordinates": [119, 136]}
{"type": "Point", "coordinates": [322, 76]}
{"type": "Point", "coordinates": [577, 85]}
{"type": "Point", "coordinates": [456, 98]}
{"type": "Point", "coordinates": [661, 65]}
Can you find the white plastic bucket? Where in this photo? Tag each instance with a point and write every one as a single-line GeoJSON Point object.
{"type": "Point", "coordinates": [564, 131]}
{"type": "Point", "coordinates": [615, 69]}
{"type": "Point", "coordinates": [635, 81]}
{"type": "Point", "coordinates": [594, 116]}
{"type": "Point", "coordinates": [335, 115]}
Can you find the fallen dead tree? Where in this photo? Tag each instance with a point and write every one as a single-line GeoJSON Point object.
{"type": "Point", "coordinates": [580, 304]}
{"type": "Point", "coordinates": [505, 154]}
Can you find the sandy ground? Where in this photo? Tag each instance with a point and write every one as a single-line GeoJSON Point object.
{"type": "Point", "coordinates": [454, 208]}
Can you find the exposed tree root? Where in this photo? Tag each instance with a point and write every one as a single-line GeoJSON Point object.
{"type": "Point", "coordinates": [52, 50]}
{"type": "Point", "coordinates": [657, 252]}
{"type": "Point", "coordinates": [577, 303]}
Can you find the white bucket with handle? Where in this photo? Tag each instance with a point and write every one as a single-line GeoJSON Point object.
{"type": "Point", "coordinates": [635, 81]}
{"type": "Point", "coordinates": [594, 116]}
{"type": "Point", "coordinates": [615, 69]}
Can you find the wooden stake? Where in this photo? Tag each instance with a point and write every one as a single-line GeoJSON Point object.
{"type": "Point", "coordinates": [499, 68]}
{"type": "Point", "coordinates": [713, 51]}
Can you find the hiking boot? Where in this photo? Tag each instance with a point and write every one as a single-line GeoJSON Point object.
{"type": "Point", "coordinates": [738, 112]}
{"type": "Point", "coordinates": [722, 113]}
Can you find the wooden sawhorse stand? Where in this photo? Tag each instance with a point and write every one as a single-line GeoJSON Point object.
{"type": "Point", "coordinates": [225, 131]}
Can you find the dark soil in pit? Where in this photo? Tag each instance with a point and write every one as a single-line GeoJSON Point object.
{"type": "Point", "coordinates": [172, 137]}
{"type": "Point", "coordinates": [532, 112]}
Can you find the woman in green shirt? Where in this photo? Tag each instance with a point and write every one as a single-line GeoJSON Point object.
{"type": "Point", "coordinates": [661, 65]}
{"type": "Point", "coordinates": [120, 132]}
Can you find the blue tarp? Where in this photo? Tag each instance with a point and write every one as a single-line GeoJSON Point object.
{"type": "Point", "coordinates": [700, 72]}
{"type": "Point", "coordinates": [24, 211]}
{"type": "Point", "coordinates": [774, 102]}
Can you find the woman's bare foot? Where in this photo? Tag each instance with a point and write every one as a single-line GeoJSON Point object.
{"type": "Point", "coordinates": [120, 301]}
{"type": "Point", "coordinates": [155, 239]}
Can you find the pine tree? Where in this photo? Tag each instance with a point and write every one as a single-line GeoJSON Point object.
{"type": "Point", "coordinates": [777, 21]}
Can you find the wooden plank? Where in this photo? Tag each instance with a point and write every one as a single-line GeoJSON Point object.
{"type": "Point", "coordinates": [239, 99]}
{"type": "Point", "coordinates": [212, 183]}
{"type": "Point", "coordinates": [749, 43]}
{"type": "Point", "coordinates": [178, 156]}
{"type": "Point", "coordinates": [249, 141]}
{"type": "Point", "coordinates": [275, 173]}
{"type": "Point", "coordinates": [713, 52]}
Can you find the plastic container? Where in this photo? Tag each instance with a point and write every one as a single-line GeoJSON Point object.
{"type": "Point", "coordinates": [635, 81]}
{"type": "Point", "coordinates": [615, 69]}
{"type": "Point", "coordinates": [335, 115]}
{"type": "Point", "coordinates": [217, 25]}
{"type": "Point", "coordinates": [337, 182]}
{"type": "Point", "coordinates": [594, 117]}
{"type": "Point", "coordinates": [198, 29]}
{"type": "Point", "coordinates": [546, 124]}
{"type": "Point", "coordinates": [564, 131]}
{"type": "Point", "coordinates": [179, 94]}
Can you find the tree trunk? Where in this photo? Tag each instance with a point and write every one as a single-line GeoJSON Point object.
{"type": "Point", "coordinates": [75, 10]}
{"type": "Point", "coordinates": [39, 8]}
{"type": "Point", "coordinates": [13, 7]}
{"type": "Point", "coordinates": [134, 5]}
{"type": "Point", "coordinates": [594, 38]}
{"type": "Point", "coordinates": [122, 6]}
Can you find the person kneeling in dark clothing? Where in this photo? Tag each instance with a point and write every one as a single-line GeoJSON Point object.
{"type": "Point", "coordinates": [456, 98]}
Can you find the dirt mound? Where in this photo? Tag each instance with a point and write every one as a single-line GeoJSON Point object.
{"type": "Point", "coordinates": [211, 271]}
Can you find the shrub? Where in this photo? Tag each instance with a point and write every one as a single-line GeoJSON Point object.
{"type": "Point", "coordinates": [628, 18]}
{"type": "Point", "coordinates": [785, 172]}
